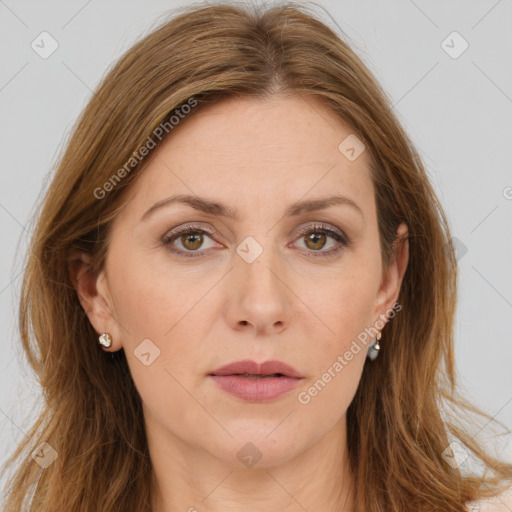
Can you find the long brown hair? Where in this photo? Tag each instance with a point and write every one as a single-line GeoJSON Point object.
{"type": "Point", "coordinates": [398, 429]}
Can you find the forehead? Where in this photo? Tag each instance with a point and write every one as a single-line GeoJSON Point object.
{"type": "Point", "coordinates": [253, 149]}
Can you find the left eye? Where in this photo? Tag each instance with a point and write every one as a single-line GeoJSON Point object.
{"type": "Point", "coordinates": [318, 235]}
{"type": "Point", "coordinates": [192, 239]}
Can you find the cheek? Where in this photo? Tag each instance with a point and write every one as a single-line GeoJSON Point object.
{"type": "Point", "coordinates": [160, 344]}
{"type": "Point", "coordinates": [346, 302]}
{"type": "Point", "coordinates": [338, 358]}
{"type": "Point", "coordinates": [151, 295]}
{"type": "Point", "coordinates": [159, 307]}
{"type": "Point", "coordinates": [345, 307]}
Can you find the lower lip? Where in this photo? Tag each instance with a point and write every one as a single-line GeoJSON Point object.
{"type": "Point", "coordinates": [256, 390]}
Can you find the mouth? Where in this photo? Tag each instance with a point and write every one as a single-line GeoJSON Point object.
{"type": "Point", "coordinates": [255, 382]}
{"type": "Point", "coordinates": [257, 377]}
{"type": "Point", "coordinates": [252, 369]}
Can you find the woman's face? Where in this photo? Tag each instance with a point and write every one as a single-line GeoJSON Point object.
{"type": "Point", "coordinates": [268, 283]}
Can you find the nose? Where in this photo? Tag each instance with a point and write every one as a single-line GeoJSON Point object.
{"type": "Point", "coordinates": [260, 298]}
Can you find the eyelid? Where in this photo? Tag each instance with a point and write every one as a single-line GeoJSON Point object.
{"type": "Point", "coordinates": [189, 227]}
{"type": "Point", "coordinates": [320, 226]}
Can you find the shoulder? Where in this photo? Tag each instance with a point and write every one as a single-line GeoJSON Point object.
{"type": "Point", "coordinates": [500, 503]}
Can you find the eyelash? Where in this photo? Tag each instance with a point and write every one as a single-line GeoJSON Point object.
{"type": "Point", "coordinates": [316, 228]}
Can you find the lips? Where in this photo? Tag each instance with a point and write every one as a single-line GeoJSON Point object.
{"type": "Point", "coordinates": [248, 368]}
{"type": "Point", "coordinates": [255, 382]}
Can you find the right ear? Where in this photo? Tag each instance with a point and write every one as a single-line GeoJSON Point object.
{"type": "Point", "coordinates": [94, 296]}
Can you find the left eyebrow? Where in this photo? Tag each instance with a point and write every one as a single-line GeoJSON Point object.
{"type": "Point", "coordinates": [222, 210]}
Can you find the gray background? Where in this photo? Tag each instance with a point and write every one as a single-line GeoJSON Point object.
{"type": "Point", "coordinates": [456, 110]}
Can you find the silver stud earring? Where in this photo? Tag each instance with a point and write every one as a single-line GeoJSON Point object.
{"type": "Point", "coordinates": [105, 339]}
{"type": "Point", "coordinates": [373, 350]}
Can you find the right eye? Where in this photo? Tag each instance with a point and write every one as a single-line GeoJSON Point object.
{"type": "Point", "coordinates": [191, 239]}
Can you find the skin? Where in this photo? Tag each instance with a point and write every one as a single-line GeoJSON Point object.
{"type": "Point", "coordinates": [258, 156]}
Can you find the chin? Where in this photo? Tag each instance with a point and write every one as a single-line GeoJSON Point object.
{"type": "Point", "coordinates": [255, 448]}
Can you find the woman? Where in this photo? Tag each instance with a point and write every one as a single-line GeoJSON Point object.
{"type": "Point", "coordinates": [241, 288]}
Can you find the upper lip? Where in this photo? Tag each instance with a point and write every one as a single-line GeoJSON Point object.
{"type": "Point", "coordinates": [253, 368]}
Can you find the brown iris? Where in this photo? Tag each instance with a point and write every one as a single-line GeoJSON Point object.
{"type": "Point", "coordinates": [192, 241]}
{"type": "Point", "coordinates": [314, 238]}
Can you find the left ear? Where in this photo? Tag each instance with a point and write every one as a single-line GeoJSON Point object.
{"type": "Point", "coordinates": [393, 274]}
